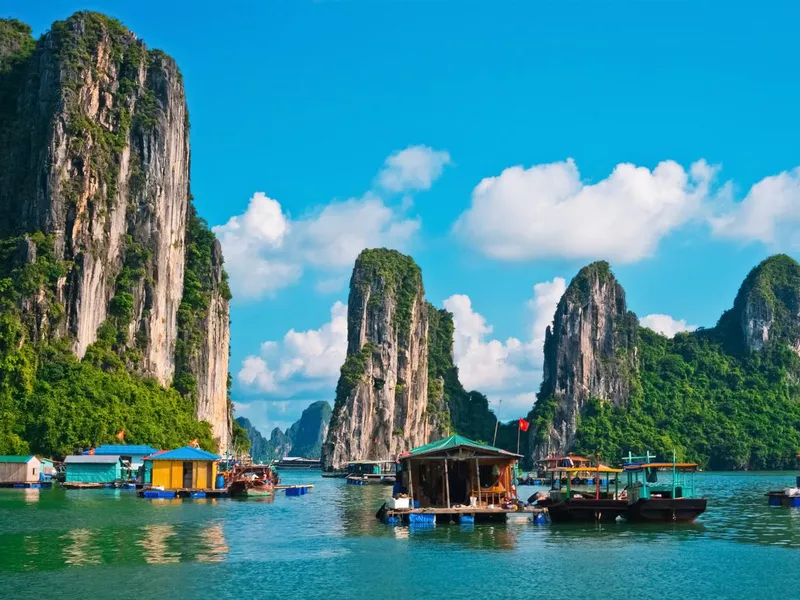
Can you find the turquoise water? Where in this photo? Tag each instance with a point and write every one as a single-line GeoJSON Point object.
{"type": "Point", "coordinates": [110, 544]}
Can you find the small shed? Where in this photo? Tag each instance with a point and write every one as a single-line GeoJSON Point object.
{"type": "Point", "coordinates": [91, 468]}
{"type": "Point", "coordinates": [186, 468]}
{"type": "Point", "coordinates": [19, 469]}
{"type": "Point", "coordinates": [131, 456]}
{"type": "Point", "coordinates": [48, 468]}
{"type": "Point", "coordinates": [458, 471]}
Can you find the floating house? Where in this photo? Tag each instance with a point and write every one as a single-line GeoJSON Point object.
{"type": "Point", "coordinates": [131, 457]}
{"type": "Point", "coordinates": [91, 470]}
{"type": "Point", "coordinates": [47, 469]}
{"type": "Point", "coordinates": [186, 469]}
{"type": "Point", "coordinates": [453, 479]}
{"type": "Point", "coordinates": [365, 472]}
{"type": "Point", "coordinates": [19, 470]}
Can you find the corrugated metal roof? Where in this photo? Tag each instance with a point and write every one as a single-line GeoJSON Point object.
{"type": "Point", "coordinates": [124, 449]}
{"type": "Point", "coordinates": [83, 459]}
{"type": "Point", "coordinates": [185, 453]}
{"type": "Point", "coordinates": [15, 459]}
{"type": "Point", "coordinates": [456, 441]}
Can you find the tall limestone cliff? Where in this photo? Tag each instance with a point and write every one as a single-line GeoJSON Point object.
{"type": "Point", "coordinates": [309, 432]}
{"type": "Point", "coordinates": [767, 307]}
{"type": "Point", "coordinates": [382, 394]}
{"type": "Point", "coordinates": [590, 352]}
{"type": "Point", "coordinates": [94, 159]}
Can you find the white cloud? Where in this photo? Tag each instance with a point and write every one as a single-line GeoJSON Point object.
{"type": "Point", "coordinates": [414, 168]}
{"type": "Point", "coordinates": [543, 306]}
{"type": "Point", "coordinates": [335, 236]}
{"type": "Point", "coordinates": [301, 361]}
{"type": "Point", "coordinates": [548, 211]}
{"type": "Point", "coordinates": [509, 370]}
{"type": "Point", "coordinates": [769, 213]}
{"type": "Point", "coordinates": [483, 364]}
{"type": "Point", "coordinates": [266, 250]}
{"type": "Point", "coordinates": [665, 324]}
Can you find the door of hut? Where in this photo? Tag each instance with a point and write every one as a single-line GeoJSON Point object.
{"type": "Point", "coordinates": [209, 477]}
{"type": "Point", "coordinates": [187, 475]}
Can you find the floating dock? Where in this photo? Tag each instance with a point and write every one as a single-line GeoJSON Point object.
{"type": "Point", "coordinates": [27, 484]}
{"type": "Point", "coordinates": [466, 514]}
{"type": "Point", "coordinates": [154, 494]}
{"type": "Point", "coordinates": [295, 490]}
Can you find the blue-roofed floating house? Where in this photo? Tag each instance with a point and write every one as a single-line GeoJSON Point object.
{"type": "Point", "coordinates": [186, 471]}
{"type": "Point", "coordinates": [131, 457]}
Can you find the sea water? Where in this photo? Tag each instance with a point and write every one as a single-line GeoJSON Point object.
{"type": "Point", "coordinates": [110, 544]}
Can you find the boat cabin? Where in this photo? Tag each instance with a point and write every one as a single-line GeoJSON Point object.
{"type": "Point", "coordinates": [649, 479]}
{"type": "Point", "coordinates": [571, 482]}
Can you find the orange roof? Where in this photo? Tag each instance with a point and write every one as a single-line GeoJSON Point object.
{"type": "Point", "coordinates": [600, 469]}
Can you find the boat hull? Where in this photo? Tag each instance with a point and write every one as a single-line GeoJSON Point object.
{"type": "Point", "coordinates": [666, 510]}
{"type": "Point", "coordinates": [586, 510]}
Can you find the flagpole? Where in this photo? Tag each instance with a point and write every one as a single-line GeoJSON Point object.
{"type": "Point", "coordinates": [496, 423]}
{"type": "Point", "coordinates": [518, 432]}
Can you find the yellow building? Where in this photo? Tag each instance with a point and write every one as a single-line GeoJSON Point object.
{"type": "Point", "coordinates": [186, 468]}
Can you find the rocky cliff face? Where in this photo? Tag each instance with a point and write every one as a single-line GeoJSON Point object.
{"type": "Point", "coordinates": [94, 154]}
{"type": "Point", "coordinates": [259, 446]}
{"type": "Point", "coordinates": [767, 307]}
{"type": "Point", "coordinates": [382, 394]}
{"type": "Point", "coordinates": [590, 352]}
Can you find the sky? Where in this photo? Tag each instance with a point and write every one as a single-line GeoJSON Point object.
{"type": "Point", "coordinates": [503, 145]}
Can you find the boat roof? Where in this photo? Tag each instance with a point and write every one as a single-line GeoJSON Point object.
{"type": "Point", "coordinates": [600, 469]}
{"type": "Point", "coordinates": [370, 462]}
{"type": "Point", "coordinates": [185, 453]}
{"type": "Point", "coordinates": [91, 459]}
{"type": "Point", "coordinates": [453, 442]}
{"type": "Point", "coordinates": [661, 465]}
{"type": "Point", "coordinates": [9, 458]}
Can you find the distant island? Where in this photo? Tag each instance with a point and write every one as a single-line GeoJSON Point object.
{"type": "Point", "coordinates": [304, 438]}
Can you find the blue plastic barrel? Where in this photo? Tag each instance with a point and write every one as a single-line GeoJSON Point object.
{"type": "Point", "coordinates": [220, 482]}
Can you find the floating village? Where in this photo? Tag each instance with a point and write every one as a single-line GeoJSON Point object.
{"type": "Point", "coordinates": [451, 480]}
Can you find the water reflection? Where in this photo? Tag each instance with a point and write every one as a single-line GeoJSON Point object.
{"type": "Point", "coordinates": [79, 551]}
{"type": "Point", "coordinates": [155, 544]}
{"type": "Point", "coordinates": [214, 548]}
{"type": "Point", "coordinates": [31, 495]}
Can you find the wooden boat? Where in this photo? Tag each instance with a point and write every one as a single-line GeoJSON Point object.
{"type": "Point", "coordinates": [252, 481]}
{"type": "Point", "coordinates": [297, 462]}
{"type": "Point", "coordinates": [661, 492]}
{"type": "Point", "coordinates": [787, 497]}
{"type": "Point", "coordinates": [567, 504]}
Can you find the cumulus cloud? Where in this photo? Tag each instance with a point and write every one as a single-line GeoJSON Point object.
{"type": "Point", "coordinates": [769, 213]}
{"type": "Point", "coordinates": [414, 168]}
{"type": "Point", "coordinates": [665, 324]}
{"type": "Point", "coordinates": [266, 250]}
{"type": "Point", "coordinates": [301, 361]}
{"type": "Point", "coordinates": [548, 211]}
{"type": "Point", "coordinates": [543, 307]}
{"type": "Point", "coordinates": [509, 370]}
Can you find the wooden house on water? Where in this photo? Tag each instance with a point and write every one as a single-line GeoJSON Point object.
{"type": "Point", "coordinates": [91, 470]}
{"type": "Point", "coordinates": [20, 471]}
{"type": "Point", "coordinates": [453, 479]}
{"type": "Point", "coordinates": [187, 471]}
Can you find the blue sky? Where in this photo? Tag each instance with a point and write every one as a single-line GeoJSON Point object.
{"type": "Point", "coordinates": [304, 103]}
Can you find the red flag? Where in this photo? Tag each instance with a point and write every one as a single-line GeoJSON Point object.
{"type": "Point", "coordinates": [121, 434]}
{"type": "Point", "coordinates": [523, 425]}
{"type": "Point", "coordinates": [91, 452]}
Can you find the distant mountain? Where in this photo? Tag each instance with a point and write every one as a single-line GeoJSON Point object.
{"type": "Point", "coordinates": [304, 438]}
{"type": "Point", "coordinates": [259, 446]}
{"type": "Point", "coordinates": [308, 434]}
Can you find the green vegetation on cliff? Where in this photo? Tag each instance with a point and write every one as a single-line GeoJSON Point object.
{"type": "Point", "coordinates": [705, 394]}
